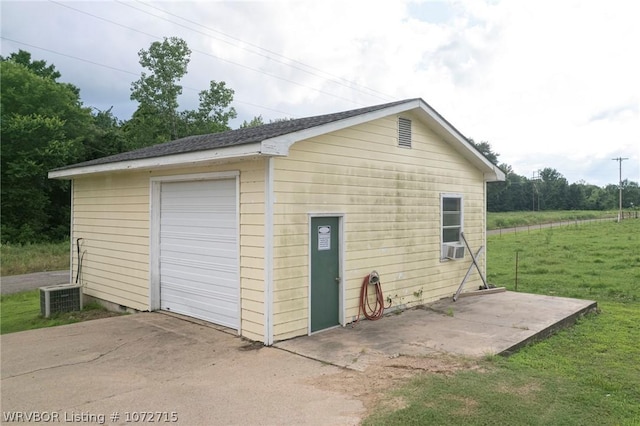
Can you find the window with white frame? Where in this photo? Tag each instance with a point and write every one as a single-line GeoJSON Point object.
{"type": "Point", "coordinates": [452, 219]}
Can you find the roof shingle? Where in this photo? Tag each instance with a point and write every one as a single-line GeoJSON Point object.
{"type": "Point", "coordinates": [231, 137]}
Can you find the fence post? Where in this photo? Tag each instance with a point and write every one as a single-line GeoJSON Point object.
{"type": "Point", "coordinates": [517, 252]}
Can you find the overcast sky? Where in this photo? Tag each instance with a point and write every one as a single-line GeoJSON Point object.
{"type": "Point", "coordinates": [546, 83]}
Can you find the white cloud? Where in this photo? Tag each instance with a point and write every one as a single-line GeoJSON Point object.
{"type": "Point", "coordinates": [547, 83]}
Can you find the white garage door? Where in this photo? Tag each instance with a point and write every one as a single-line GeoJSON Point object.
{"type": "Point", "coordinates": [199, 250]}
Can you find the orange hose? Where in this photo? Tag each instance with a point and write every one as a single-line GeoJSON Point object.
{"type": "Point", "coordinates": [377, 311]}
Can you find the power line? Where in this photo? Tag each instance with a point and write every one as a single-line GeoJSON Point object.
{"type": "Point", "coordinates": [240, 101]}
{"type": "Point", "coordinates": [104, 19]}
{"type": "Point", "coordinates": [333, 78]}
{"type": "Point", "coordinates": [211, 55]}
{"type": "Point", "coordinates": [69, 56]}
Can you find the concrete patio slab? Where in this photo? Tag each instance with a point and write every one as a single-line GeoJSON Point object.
{"type": "Point", "coordinates": [487, 324]}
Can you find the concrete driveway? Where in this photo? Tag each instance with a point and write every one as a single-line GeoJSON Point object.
{"type": "Point", "coordinates": [156, 363]}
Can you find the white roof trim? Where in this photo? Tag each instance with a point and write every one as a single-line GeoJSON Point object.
{"type": "Point", "coordinates": [280, 145]}
{"type": "Point", "coordinates": [461, 144]}
{"type": "Point", "coordinates": [230, 152]}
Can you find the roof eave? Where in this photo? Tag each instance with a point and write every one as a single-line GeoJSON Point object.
{"type": "Point", "coordinates": [197, 157]}
{"type": "Point", "coordinates": [496, 175]}
{"type": "Point", "coordinates": [280, 145]}
{"type": "Point", "coordinates": [460, 143]}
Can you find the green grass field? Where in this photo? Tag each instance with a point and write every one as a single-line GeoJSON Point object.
{"type": "Point", "coordinates": [23, 259]}
{"type": "Point", "coordinates": [513, 219]}
{"type": "Point", "coordinates": [588, 374]}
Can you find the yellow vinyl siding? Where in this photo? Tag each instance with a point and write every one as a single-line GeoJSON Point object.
{"type": "Point", "coordinates": [111, 214]}
{"type": "Point", "coordinates": [390, 198]}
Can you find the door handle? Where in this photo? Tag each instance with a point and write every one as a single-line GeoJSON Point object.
{"type": "Point", "coordinates": [338, 280]}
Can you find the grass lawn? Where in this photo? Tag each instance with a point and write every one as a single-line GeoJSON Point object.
{"type": "Point", "coordinates": [23, 259]}
{"type": "Point", "coordinates": [21, 311]}
{"type": "Point", "coordinates": [588, 374]}
{"type": "Point", "coordinates": [513, 219]}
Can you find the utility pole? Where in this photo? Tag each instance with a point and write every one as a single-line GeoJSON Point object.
{"type": "Point", "coordinates": [620, 160]}
{"type": "Point", "coordinates": [535, 178]}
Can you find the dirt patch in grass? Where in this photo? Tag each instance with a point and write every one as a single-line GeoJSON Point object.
{"type": "Point", "coordinates": [524, 390]}
{"type": "Point", "coordinates": [92, 314]}
{"type": "Point", "coordinates": [372, 386]}
{"type": "Point", "coordinates": [466, 406]}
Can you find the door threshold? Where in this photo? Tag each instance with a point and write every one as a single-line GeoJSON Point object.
{"type": "Point", "coordinates": [324, 329]}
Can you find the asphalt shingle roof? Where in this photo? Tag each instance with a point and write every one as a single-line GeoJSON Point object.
{"type": "Point", "coordinates": [232, 137]}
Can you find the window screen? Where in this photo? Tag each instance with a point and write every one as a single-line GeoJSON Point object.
{"type": "Point", "coordinates": [451, 218]}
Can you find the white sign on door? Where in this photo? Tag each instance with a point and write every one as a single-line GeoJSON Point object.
{"type": "Point", "coordinates": [324, 238]}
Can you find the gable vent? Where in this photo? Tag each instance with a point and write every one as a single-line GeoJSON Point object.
{"type": "Point", "coordinates": [404, 132]}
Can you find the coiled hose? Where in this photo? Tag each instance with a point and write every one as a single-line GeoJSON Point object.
{"type": "Point", "coordinates": [377, 311]}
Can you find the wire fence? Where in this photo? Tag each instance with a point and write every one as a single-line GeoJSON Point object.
{"type": "Point", "coordinates": [576, 222]}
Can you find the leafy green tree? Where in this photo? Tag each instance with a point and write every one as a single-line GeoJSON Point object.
{"type": "Point", "coordinates": [514, 194]}
{"type": "Point", "coordinates": [630, 194]}
{"type": "Point", "coordinates": [595, 198]}
{"type": "Point", "coordinates": [213, 114]}
{"type": "Point", "coordinates": [553, 190]}
{"type": "Point", "coordinates": [43, 126]}
{"type": "Point", "coordinates": [157, 118]}
{"type": "Point", "coordinates": [485, 149]}
{"type": "Point", "coordinates": [107, 137]}
{"type": "Point", "coordinates": [40, 68]}
{"type": "Point", "coordinates": [167, 62]}
{"type": "Point", "coordinates": [146, 127]}
{"type": "Point", "coordinates": [255, 122]}
{"type": "Point", "coordinates": [575, 197]}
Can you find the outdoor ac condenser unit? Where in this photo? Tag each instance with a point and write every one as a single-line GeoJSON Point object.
{"type": "Point", "coordinates": [60, 298]}
{"type": "Point", "coordinates": [454, 251]}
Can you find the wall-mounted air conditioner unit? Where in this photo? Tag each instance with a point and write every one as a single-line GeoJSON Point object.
{"type": "Point", "coordinates": [454, 251]}
{"type": "Point", "coordinates": [60, 298]}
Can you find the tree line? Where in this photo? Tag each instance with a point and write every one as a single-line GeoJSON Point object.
{"type": "Point", "coordinates": [550, 190]}
{"type": "Point", "coordinates": [44, 125]}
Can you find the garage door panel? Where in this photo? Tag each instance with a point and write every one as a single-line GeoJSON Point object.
{"type": "Point", "coordinates": [199, 250]}
{"type": "Point", "coordinates": [196, 204]}
{"type": "Point", "coordinates": [205, 233]}
{"type": "Point", "coordinates": [224, 279]}
{"type": "Point", "coordinates": [183, 210]}
{"type": "Point", "coordinates": [217, 242]}
{"type": "Point", "coordinates": [198, 285]}
{"type": "Point", "coordinates": [222, 313]}
{"type": "Point", "coordinates": [200, 309]}
{"type": "Point", "coordinates": [181, 291]}
{"type": "Point", "coordinates": [204, 219]}
{"type": "Point", "coordinates": [175, 248]}
{"type": "Point", "coordinates": [194, 190]}
{"type": "Point", "coordinates": [201, 261]}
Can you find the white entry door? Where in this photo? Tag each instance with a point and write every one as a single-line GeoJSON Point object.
{"type": "Point", "coordinates": [199, 250]}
